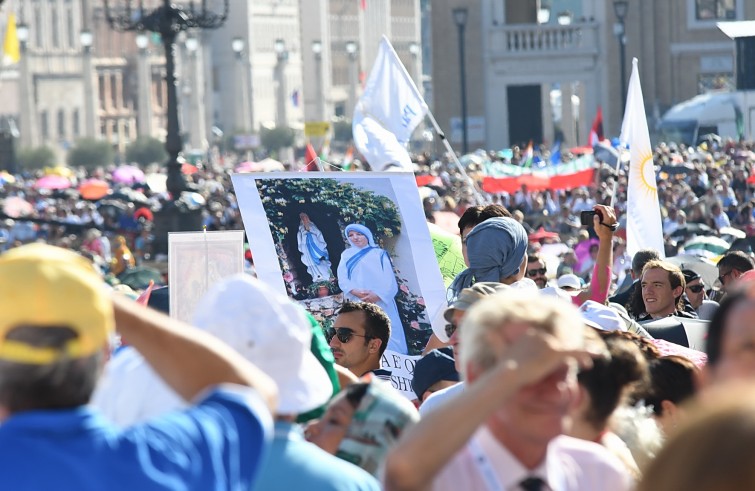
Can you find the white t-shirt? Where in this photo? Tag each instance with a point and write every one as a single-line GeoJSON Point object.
{"type": "Point", "coordinates": [570, 464]}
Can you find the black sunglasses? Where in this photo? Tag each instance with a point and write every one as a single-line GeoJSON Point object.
{"type": "Point", "coordinates": [535, 272]}
{"type": "Point", "coordinates": [344, 334]}
{"type": "Point", "coordinates": [723, 276]}
{"type": "Point", "coordinates": [696, 288]}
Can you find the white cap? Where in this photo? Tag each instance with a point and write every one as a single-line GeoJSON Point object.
{"type": "Point", "coordinates": [553, 291]}
{"type": "Point", "coordinates": [272, 332]}
{"type": "Point", "coordinates": [569, 280]}
{"type": "Point", "coordinates": [601, 317]}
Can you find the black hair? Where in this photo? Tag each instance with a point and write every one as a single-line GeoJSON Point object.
{"type": "Point", "coordinates": [377, 325]}
{"type": "Point", "coordinates": [736, 260]}
{"type": "Point", "coordinates": [475, 215]}
{"type": "Point", "coordinates": [672, 378]}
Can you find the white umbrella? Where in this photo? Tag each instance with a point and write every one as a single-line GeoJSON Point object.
{"type": "Point", "coordinates": [715, 245]}
{"type": "Point", "coordinates": [700, 265]}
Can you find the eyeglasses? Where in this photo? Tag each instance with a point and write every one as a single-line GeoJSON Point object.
{"type": "Point", "coordinates": [535, 272]}
{"type": "Point", "coordinates": [723, 276]}
{"type": "Point", "coordinates": [696, 288]}
{"type": "Point", "coordinates": [344, 334]}
{"type": "Point", "coordinates": [450, 330]}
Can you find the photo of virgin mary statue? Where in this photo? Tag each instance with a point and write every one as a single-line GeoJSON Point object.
{"type": "Point", "coordinates": [314, 250]}
{"type": "Point", "coordinates": [365, 274]}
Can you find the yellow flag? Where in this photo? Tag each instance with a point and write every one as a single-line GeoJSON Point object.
{"type": "Point", "coordinates": [11, 50]}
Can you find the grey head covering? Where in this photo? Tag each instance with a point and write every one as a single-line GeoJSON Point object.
{"type": "Point", "coordinates": [495, 248]}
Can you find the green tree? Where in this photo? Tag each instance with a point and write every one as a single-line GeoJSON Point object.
{"type": "Point", "coordinates": [33, 158]}
{"type": "Point", "coordinates": [273, 139]}
{"type": "Point", "coordinates": [146, 150]}
{"type": "Point", "coordinates": [90, 153]}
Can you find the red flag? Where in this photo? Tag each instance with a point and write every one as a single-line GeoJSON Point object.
{"type": "Point", "coordinates": [363, 4]}
{"type": "Point", "coordinates": [310, 156]}
{"type": "Point", "coordinates": [596, 132]}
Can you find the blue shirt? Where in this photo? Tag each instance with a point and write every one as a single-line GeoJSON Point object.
{"type": "Point", "coordinates": [216, 445]}
{"type": "Point", "coordinates": [295, 464]}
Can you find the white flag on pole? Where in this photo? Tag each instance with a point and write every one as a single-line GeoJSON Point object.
{"type": "Point", "coordinates": [387, 113]}
{"type": "Point", "coordinates": [644, 230]}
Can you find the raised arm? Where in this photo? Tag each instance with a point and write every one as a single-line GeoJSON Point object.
{"type": "Point", "coordinates": [600, 282]}
{"type": "Point", "coordinates": [188, 359]}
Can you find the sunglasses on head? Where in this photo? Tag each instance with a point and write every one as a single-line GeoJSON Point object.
{"type": "Point", "coordinates": [696, 288]}
{"type": "Point", "coordinates": [344, 334]}
{"type": "Point", "coordinates": [535, 272]}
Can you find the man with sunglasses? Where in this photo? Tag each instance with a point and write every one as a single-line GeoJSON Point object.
{"type": "Point", "coordinates": [536, 270]}
{"type": "Point", "coordinates": [359, 337]}
{"type": "Point", "coordinates": [733, 265]}
{"type": "Point", "coordinates": [695, 291]}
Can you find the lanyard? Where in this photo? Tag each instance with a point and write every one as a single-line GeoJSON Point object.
{"type": "Point", "coordinates": [482, 462]}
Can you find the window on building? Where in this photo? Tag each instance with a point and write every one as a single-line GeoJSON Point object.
{"type": "Point", "coordinates": [715, 9]}
{"type": "Point", "coordinates": [54, 29]}
{"type": "Point", "coordinates": [101, 85]}
{"type": "Point", "coordinates": [75, 123]}
{"type": "Point", "coordinates": [44, 125]}
{"type": "Point", "coordinates": [114, 90]}
{"type": "Point", "coordinates": [61, 124]}
{"type": "Point", "coordinates": [37, 26]}
{"type": "Point", "coordinates": [70, 29]}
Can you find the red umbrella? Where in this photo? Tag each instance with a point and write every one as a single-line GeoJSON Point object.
{"type": "Point", "coordinates": [542, 234]}
{"type": "Point", "coordinates": [94, 189]}
{"type": "Point", "coordinates": [189, 169]}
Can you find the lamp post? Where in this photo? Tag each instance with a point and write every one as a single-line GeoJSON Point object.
{"type": "Point", "coordinates": [543, 14]}
{"type": "Point", "coordinates": [168, 20]}
{"type": "Point", "coordinates": [317, 52]}
{"type": "Point", "coordinates": [243, 116]}
{"type": "Point", "coordinates": [415, 51]}
{"type": "Point", "coordinates": [564, 18]}
{"type": "Point", "coordinates": [460, 18]}
{"type": "Point", "coordinates": [352, 50]}
{"type": "Point", "coordinates": [91, 127]}
{"type": "Point", "coordinates": [27, 116]}
{"type": "Point", "coordinates": [620, 8]}
{"type": "Point", "coordinates": [144, 87]}
{"type": "Point", "coordinates": [281, 56]}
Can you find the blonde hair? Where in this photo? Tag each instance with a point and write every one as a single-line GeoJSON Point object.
{"type": "Point", "coordinates": [486, 318]}
{"type": "Point", "coordinates": [712, 450]}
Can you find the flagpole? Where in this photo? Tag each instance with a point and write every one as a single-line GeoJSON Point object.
{"type": "Point", "coordinates": [616, 182]}
{"type": "Point", "coordinates": [478, 196]}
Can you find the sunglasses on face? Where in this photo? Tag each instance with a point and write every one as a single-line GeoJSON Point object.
{"type": "Point", "coordinates": [536, 272]}
{"type": "Point", "coordinates": [723, 277]}
{"type": "Point", "coordinates": [344, 334]}
{"type": "Point", "coordinates": [696, 288]}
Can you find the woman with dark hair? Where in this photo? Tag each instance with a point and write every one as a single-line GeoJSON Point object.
{"type": "Point", "coordinates": [604, 387]}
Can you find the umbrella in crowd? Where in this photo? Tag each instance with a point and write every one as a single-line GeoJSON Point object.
{"type": "Point", "coordinates": [6, 178]}
{"type": "Point", "coordinates": [94, 189]}
{"type": "Point", "coordinates": [732, 232]}
{"type": "Point", "coordinates": [706, 246]}
{"type": "Point", "coordinates": [16, 206]}
{"type": "Point", "coordinates": [189, 169]}
{"type": "Point", "coordinates": [58, 171]}
{"type": "Point", "coordinates": [542, 234]}
{"type": "Point", "coordinates": [157, 182]}
{"type": "Point", "coordinates": [130, 195]}
{"type": "Point", "coordinates": [52, 181]}
{"type": "Point", "coordinates": [266, 165]}
{"type": "Point", "coordinates": [700, 265]}
{"type": "Point", "coordinates": [692, 229]}
{"type": "Point", "coordinates": [128, 174]}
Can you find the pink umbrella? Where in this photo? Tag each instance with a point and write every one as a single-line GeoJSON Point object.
{"type": "Point", "coordinates": [52, 181]}
{"type": "Point", "coordinates": [128, 174]}
{"type": "Point", "coordinates": [15, 207]}
{"type": "Point", "coordinates": [247, 166]}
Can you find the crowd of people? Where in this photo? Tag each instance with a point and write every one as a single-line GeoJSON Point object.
{"type": "Point", "coordinates": [564, 363]}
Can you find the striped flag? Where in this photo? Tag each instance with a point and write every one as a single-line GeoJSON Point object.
{"type": "Point", "coordinates": [596, 132]}
{"type": "Point", "coordinates": [643, 211]}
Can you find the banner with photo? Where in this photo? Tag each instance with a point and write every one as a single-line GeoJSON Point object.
{"type": "Point", "coordinates": [296, 226]}
{"type": "Point", "coordinates": [198, 260]}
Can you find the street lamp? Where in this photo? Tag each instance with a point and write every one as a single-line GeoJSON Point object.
{"type": "Point", "coordinates": [415, 51]}
{"type": "Point", "coordinates": [196, 114]}
{"type": "Point", "coordinates": [620, 8]}
{"type": "Point", "coordinates": [460, 18]}
{"type": "Point", "coordinates": [281, 55]}
{"type": "Point", "coordinates": [564, 18]}
{"type": "Point", "coordinates": [352, 49]}
{"type": "Point", "coordinates": [168, 20]}
{"type": "Point", "coordinates": [90, 116]}
{"type": "Point", "coordinates": [543, 14]}
{"type": "Point", "coordinates": [317, 52]}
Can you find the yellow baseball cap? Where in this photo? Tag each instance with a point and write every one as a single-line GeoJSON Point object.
{"type": "Point", "coordinates": [46, 286]}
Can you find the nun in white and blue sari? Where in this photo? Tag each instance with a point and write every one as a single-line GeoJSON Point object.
{"type": "Point", "coordinates": [365, 274]}
{"type": "Point", "coordinates": [314, 249]}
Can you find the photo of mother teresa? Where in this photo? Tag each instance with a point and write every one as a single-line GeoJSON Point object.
{"type": "Point", "coordinates": [365, 273]}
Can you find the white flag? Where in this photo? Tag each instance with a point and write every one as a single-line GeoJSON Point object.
{"type": "Point", "coordinates": [387, 113]}
{"type": "Point", "coordinates": [644, 230]}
